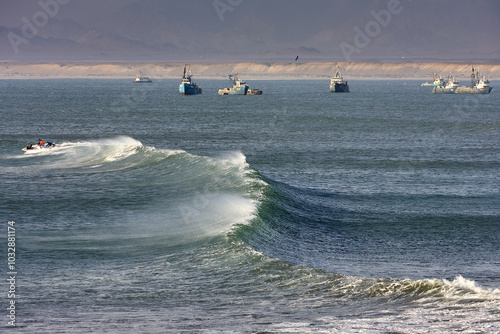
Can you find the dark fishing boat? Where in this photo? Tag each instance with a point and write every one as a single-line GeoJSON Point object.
{"type": "Point", "coordinates": [187, 86]}
{"type": "Point", "coordinates": [338, 84]}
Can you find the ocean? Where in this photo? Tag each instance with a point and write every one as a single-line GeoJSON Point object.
{"type": "Point", "coordinates": [297, 211]}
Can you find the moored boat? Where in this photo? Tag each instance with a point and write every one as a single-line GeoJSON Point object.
{"type": "Point", "coordinates": [142, 79]}
{"type": "Point", "coordinates": [449, 88]}
{"type": "Point", "coordinates": [338, 84]}
{"type": "Point", "coordinates": [187, 86]}
{"type": "Point", "coordinates": [478, 86]}
{"type": "Point", "coordinates": [438, 81]}
{"type": "Point", "coordinates": [238, 87]}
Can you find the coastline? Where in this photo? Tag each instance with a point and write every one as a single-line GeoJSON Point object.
{"type": "Point", "coordinates": [250, 70]}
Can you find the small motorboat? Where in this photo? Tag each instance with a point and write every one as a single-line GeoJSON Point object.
{"type": "Point", "coordinates": [37, 147]}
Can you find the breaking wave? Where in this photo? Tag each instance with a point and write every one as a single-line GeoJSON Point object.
{"type": "Point", "coordinates": [149, 199]}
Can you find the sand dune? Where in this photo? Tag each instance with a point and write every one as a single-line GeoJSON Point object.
{"type": "Point", "coordinates": [250, 70]}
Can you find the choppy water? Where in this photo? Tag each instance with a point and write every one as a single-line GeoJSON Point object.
{"type": "Point", "coordinates": [298, 211]}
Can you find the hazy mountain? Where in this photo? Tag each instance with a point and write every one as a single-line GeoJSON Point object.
{"type": "Point", "coordinates": [167, 30]}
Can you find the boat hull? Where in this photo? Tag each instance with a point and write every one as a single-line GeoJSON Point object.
{"type": "Point", "coordinates": [242, 90]}
{"type": "Point", "coordinates": [468, 90]}
{"type": "Point", "coordinates": [36, 148]}
{"type": "Point", "coordinates": [339, 88]}
{"type": "Point", "coordinates": [426, 84]}
{"type": "Point", "coordinates": [443, 90]}
{"type": "Point", "coordinates": [187, 89]}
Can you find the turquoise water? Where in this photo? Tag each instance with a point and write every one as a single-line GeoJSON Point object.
{"type": "Point", "coordinates": [376, 211]}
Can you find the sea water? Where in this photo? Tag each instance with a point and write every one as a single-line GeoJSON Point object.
{"type": "Point", "coordinates": [297, 211]}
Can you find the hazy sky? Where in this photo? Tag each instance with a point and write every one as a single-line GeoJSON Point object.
{"type": "Point", "coordinates": [211, 30]}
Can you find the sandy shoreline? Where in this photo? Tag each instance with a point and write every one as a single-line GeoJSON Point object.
{"type": "Point", "coordinates": [248, 70]}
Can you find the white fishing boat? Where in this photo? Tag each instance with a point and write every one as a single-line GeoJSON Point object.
{"type": "Point", "coordinates": [142, 79]}
{"type": "Point", "coordinates": [338, 84]}
{"type": "Point", "coordinates": [438, 81]}
{"type": "Point", "coordinates": [449, 88]}
{"type": "Point", "coordinates": [238, 87]}
{"type": "Point", "coordinates": [478, 86]}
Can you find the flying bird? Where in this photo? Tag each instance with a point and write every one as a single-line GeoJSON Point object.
{"type": "Point", "coordinates": [296, 58]}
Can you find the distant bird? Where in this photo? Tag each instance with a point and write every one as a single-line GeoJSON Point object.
{"type": "Point", "coordinates": [296, 58]}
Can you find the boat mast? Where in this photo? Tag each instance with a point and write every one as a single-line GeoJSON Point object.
{"type": "Point", "coordinates": [337, 73]}
{"type": "Point", "coordinates": [232, 81]}
{"type": "Point", "coordinates": [473, 77]}
{"type": "Point", "coordinates": [187, 71]}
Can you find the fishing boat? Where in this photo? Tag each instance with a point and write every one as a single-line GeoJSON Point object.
{"type": "Point", "coordinates": [238, 87]}
{"type": "Point", "coordinates": [449, 88]}
{"type": "Point", "coordinates": [338, 84]}
{"type": "Point", "coordinates": [187, 87]}
{"type": "Point", "coordinates": [438, 82]}
{"type": "Point", "coordinates": [478, 86]}
{"type": "Point", "coordinates": [142, 79]}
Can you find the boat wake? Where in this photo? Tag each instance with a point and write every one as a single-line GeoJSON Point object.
{"type": "Point", "coordinates": [85, 154]}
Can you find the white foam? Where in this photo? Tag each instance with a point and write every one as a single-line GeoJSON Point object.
{"type": "Point", "coordinates": [235, 158]}
{"type": "Point", "coordinates": [461, 286]}
{"type": "Point", "coordinates": [91, 154]}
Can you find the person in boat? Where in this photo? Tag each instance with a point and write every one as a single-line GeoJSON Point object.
{"type": "Point", "coordinates": [40, 143]}
{"type": "Point", "coordinates": [29, 146]}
